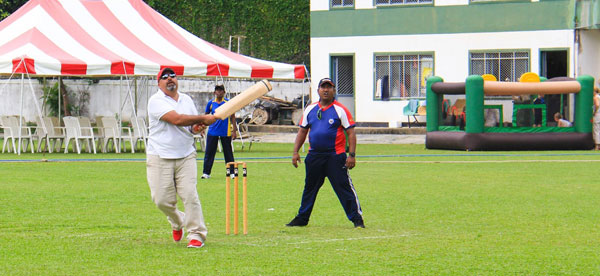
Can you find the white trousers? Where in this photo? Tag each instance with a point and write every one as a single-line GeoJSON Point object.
{"type": "Point", "coordinates": [169, 178]}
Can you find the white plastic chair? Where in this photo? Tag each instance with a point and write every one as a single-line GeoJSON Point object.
{"type": "Point", "coordinates": [140, 132]}
{"type": "Point", "coordinates": [87, 130]}
{"type": "Point", "coordinates": [116, 134]}
{"type": "Point", "coordinates": [51, 133]}
{"type": "Point", "coordinates": [100, 134]}
{"type": "Point", "coordinates": [75, 132]}
{"type": "Point", "coordinates": [109, 134]}
{"type": "Point", "coordinates": [7, 133]}
{"type": "Point", "coordinates": [10, 124]}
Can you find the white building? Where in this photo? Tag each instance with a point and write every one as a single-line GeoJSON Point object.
{"type": "Point", "coordinates": [380, 52]}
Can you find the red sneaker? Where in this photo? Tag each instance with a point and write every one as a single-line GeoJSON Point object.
{"type": "Point", "coordinates": [195, 244]}
{"type": "Point", "coordinates": [177, 234]}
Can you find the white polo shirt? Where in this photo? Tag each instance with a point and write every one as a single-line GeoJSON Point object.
{"type": "Point", "coordinates": [164, 139]}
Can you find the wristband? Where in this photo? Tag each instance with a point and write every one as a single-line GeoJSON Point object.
{"type": "Point", "coordinates": [352, 154]}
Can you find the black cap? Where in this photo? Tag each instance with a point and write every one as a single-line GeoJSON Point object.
{"type": "Point", "coordinates": [326, 80]}
{"type": "Point", "coordinates": [163, 71]}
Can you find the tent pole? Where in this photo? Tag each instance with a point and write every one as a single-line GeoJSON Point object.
{"type": "Point", "coordinates": [120, 101]}
{"type": "Point", "coordinates": [131, 98]}
{"type": "Point", "coordinates": [21, 113]}
{"type": "Point", "coordinates": [303, 100]}
{"type": "Point", "coordinates": [135, 82]}
{"type": "Point", "coordinates": [131, 101]}
{"type": "Point", "coordinates": [133, 109]}
{"type": "Point", "coordinates": [59, 98]}
{"type": "Point", "coordinates": [43, 94]}
{"type": "Point", "coordinates": [147, 89]}
{"type": "Point", "coordinates": [39, 111]}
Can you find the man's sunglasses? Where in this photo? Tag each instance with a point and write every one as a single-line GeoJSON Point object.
{"type": "Point", "coordinates": [167, 75]}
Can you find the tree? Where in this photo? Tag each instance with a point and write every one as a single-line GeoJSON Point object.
{"type": "Point", "coordinates": [277, 30]}
{"type": "Point", "coordinates": [7, 7]}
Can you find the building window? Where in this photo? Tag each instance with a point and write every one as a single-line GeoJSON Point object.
{"type": "Point", "coordinates": [505, 66]}
{"type": "Point", "coordinates": [342, 3]}
{"type": "Point", "coordinates": [402, 76]}
{"type": "Point", "coordinates": [343, 75]}
{"type": "Point", "coordinates": [401, 2]}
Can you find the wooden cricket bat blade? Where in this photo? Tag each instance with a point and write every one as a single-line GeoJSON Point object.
{"type": "Point", "coordinates": [243, 99]}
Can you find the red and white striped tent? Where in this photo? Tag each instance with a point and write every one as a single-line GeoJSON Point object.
{"type": "Point", "coordinates": [116, 37]}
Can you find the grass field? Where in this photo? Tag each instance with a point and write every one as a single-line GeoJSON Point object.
{"type": "Point", "coordinates": [427, 212]}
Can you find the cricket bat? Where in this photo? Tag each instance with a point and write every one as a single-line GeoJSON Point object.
{"type": "Point", "coordinates": [243, 99]}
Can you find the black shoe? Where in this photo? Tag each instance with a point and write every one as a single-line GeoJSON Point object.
{"type": "Point", "coordinates": [297, 222]}
{"type": "Point", "coordinates": [358, 223]}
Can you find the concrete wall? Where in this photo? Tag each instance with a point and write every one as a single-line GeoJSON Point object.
{"type": "Point", "coordinates": [111, 98]}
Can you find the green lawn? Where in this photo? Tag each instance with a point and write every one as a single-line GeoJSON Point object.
{"type": "Point", "coordinates": [427, 212]}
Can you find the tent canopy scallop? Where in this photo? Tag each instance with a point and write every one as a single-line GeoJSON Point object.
{"type": "Point", "coordinates": [116, 37]}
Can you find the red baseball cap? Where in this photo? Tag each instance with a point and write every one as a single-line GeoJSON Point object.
{"type": "Point", "coordinates": [163, 71]}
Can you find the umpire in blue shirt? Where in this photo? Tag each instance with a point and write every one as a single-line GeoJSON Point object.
{"type": "Point", "coordinates": [329, 121]}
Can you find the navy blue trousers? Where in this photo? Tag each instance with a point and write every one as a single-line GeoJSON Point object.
{"type": "Point", "coordinates": [211, 150]}
{"type": "Point", "coordinates": [333, 166]}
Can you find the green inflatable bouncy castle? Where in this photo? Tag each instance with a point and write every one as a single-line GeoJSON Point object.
{"type": "Point", "coordinates": [476, 136]}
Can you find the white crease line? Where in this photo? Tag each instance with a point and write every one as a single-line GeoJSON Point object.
{"type": "Point", "coordinates": [438, 161]}
{"type": "Point", "coordinates": [350, 239]}
{"type": "Point", "coordinates": [478, 161]}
